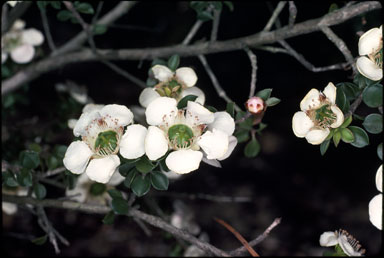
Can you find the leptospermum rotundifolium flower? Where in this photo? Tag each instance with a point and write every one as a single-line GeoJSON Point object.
{"type": "Point", "coordinates": [342, 238]}
{"type": "Point", "coordinates": [375, 206]}
{"type": "Point", "coordinates": [186, 133]}
{"type": "Point", "coordinates": [102, 136]}
{"type": "Point", "coordinates": [20, 43]}
{"type": "Point", "coordinates": [175, 85]}
{"type": "Point", "coordinates": [370, 62]}
{"type": "Point", "coordinates": [319, 112]}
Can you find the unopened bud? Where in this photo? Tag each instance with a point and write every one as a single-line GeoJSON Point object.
{"type": "Point", "coordinates": [255, 105]}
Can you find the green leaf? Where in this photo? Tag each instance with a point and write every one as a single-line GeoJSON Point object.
{"type": "Point", "coordinates": [114, 193]}
{"type": "Point", "coordinates": [184, 101]}
{"type": "Point", "coordinates": [231, 109]}
{"type": "Point", "coordinates": [347, 122]}
{"type": "Point", "coordinates": [229, 4]}
{"type": "Point", "coordinates": [97, 189]}
{"type": "Point", "coordinates": [252, 148]}
{"type": "Point", "coordinates": [119, 205]}
{"type": "Point", "coordinates": [350, 90]}
{"type": "Point", "coordinates": [373, 95]}
{"type": "Point", "coordinates": [341, 100]}
{"type": "Point", "coordinates": [373, 123]}
{"type": "Point", "coordinates": [141, 185]}
{"type": "Point", "coordinates": [59, 151]}
{"type": "Point", "coordinates": [25, 177]}
{"type": "Point", "coordinates": [40, 240]}
{"type": "Point", "coordinates": [217, 5]}
{"type": "Point", "coordinates": [264, 94]}
{"type": "Point", "coordinates": [55, 4]}
{"type": "Point", "coordinates": [52, 162]}
{"type": "Point", "coordinates": [34, 147]}
{"type": "Point", "coordinates": [158, 61]}
{"type": "Point", "coordinates": [64, 15]}
{"type": "Point", "coordinates": [8, 100]}
{"type": "Point", "coordinates": [85, 8]}
{"type": "Point", "coordinates": [109, 218]}
{"type": "Point", "coordinates": [212, 109]}
{"type": "Point", "coordinates": [42, 4]}
{"type": "Point", "coordinates": [347, 135]}
{"type": "Point", "coordinates": [173, 62]}
{"type": "Point", "coordinates": [199, 5]}
{"type": "Point", "coordinates": [125, 168]}
{"type": "Point", "coordinates": [29, 159]}
{"type": "Point", "coordinates": [9, 179]}
{"type": "Point", "coordinates": [360, 81]}
{"type": "Point", "coordinates": [99, 29]}
{"type": "Point", "coordinates": [40, 191]}
{"type": "Point", "coordinates": [270, 102]}
{"type": "Point", "coordinates": [330, 135]}
{"type": "Point", "coordinates": [144, 165]}
{"type": "Point", "coordinates": [324, 147]}
{"type": "Point", "coordinates": [242, 136]}
{"type": "Point", "coordinates": [333, 7]}
{"type": "Point", "coordinates": [361, 137]}
{"type": "Point", "coordinates": [163, 166]}
{"type": "Point", "coordinates": [159, 181]}
{"type": "Point", "coordinates": [380, 151]}
{"type": "Point", "coordinates": [204, 16]}
{"type": "Point", "coordinates": [336, 138]}
{"type": "Point", "coordinates": [130, 176]}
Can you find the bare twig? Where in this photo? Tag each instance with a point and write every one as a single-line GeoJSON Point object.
{"type": "Point", "coordinates": [355, 105]}
{"type": "Point", "coordinates": [47, 227]}
{"type": "Point", "coordinates": [44, 19]}
{"type": "Point", "coordinates": [292, 13]}
{"type": "Point", "coordinates": [274, 16]}
{"type": "Point", "coordinates": [208, 197]}
{"type": "Point", "coordinates": [4, 16]}
{"type": "Point", "coordinates": [192, 32]}
{"type": "Point", "coordinates": [253, 59]}
{"type": "Point", "coordinates": [14, 14]}
{"type": "Point", "coordinates": [215, 25]}
{"type": "Point", "coordinates": [273, 50]}
{"type": "Point", "coordinates": [54, 172]}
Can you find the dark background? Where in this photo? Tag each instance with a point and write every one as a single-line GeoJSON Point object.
{"type": "Point", "coordinates": [288, 179]}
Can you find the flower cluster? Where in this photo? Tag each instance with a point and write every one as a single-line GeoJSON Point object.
{"type": "Point", "coordinates": [375, 206]}
{"type": "Point", "coordinates": [349, 245]}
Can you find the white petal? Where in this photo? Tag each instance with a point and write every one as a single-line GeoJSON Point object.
{"type": "Point", "coordinates": [84, 120]}
{"type": "Point", "coordinates": [347, 247]}
{"type": "Point", "coordinates": [375, 210]}
{"type": "Point", "coordinates": [156, 143]}
{"type": "Point", "coordinates": [91, 107]}
{"type": "Point", "coordinates": [4, 57]}
{"type": "Point", "coordinates": [310, 100]}
{"type": "Point", "coordinates": [194, 91]}
{"type": "Point", "coordinates": [339, 116]}
{"type": "Point", "coordinates": [147, 96]}
{"type": "Point", "coordinates": [172, 175]}
{"type": "Point", "coordinates": [370, 41]}
{"type": "Point", "coordinates": [32, 37]}
{"type": "Point", "coordinates": [120, 114]}
{"type": "Point", "coordinates": [77, 156]}
{"type": "Point", "coordinates": [231, 146]}
{"type": "Point", "coordinates": [132, 142]}
{"type": "Point", "coordinates": [197, 114]}
{"type": "Point", "coordinates": [317, 136]}
{"type": "Point", "coordinates": [162, 109]}
{"type": "Point", "coordinates": [379, 178]}
{"type": "Point", "coordinates": [9, 208]}
{"type": "Point", "coordinates": [369, 69]}
{"type": "Point", "coordinates": [330, 92]}
{"type": "Point", "coordinates": [23, 54]}
{"type": "Point", "coordinates": [187, 76]}
{"type": "Point", "coordinates": [71, 123]}
{"type": "Point", "coordinates": [12, 3]}
{"type": "Point", "coordinates": [328, 239]}
{"type": "Point", "coordinates": [224, 122]}
{"type": "Point", "coordinates": [212, 162]}
{"type": "Point", "coordinates": [215, 143]}
{"type": "Point", "coordinates": [301, 124]}
{"type": "Point", "coordinates": [80, 189]}
{"type": "Point", "coordinates": [101, 170]}
{"type": "Point", "coordinates": [18, 25]}
{"type": "Point", "coordinates": [116, 178]}
{"type": "Point", "coordinates": [162, 73]}
{"type": "Point", "coordinates": [184, 161]}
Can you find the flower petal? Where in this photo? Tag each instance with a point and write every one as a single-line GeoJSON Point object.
{"type": "Point", "coordinates": [212, 162]}
{"type": "Point", "coordinates": [375, 210]}
{"type": "Point", "coordinates": [120, 114]}
{"type": "Point", "coordinates": [330, 92]}
{"type": "Point", "coordinates": [339, 116]}
{"type": "Point", "coordinates": [101, 170]}
{"type": "Point", "coordinates": [162, 73]}
{"type": "Point", "coordinates": [379, 178]}
{"type": "Point", "coordinates": [23, 54]}
{"type": "Point", "coordinates": [116, 178]}
{"type": "Point", "coordinates": [91, 107]}
{"type": "Point", "coordinates": [194, 91]}
{"type": "Point", "coordinates": [370, 41]}
{"type": "Point", "coordinates": [369, 69]}
{"type": "Point", "coordinates": [310, 100]}
{"type": "Point", "coordinates": [346, 246]}
{"type": "Point", "coordinates": [224, 122]}
{"type": "Point", "coordinates": [161, 110]}
{"type": "Point", "coordinates": [317, 136]}
{"type": "Point", "coordinates": [215, 143]}
{"type": "Point", "coordinates": [18, 25]}
{"type": "Point", "coordinates": [155, 143]}
{"type": "Point", "coordinates": [301, 124]}
{"type": "Point", "coordinates": [198, 114]}
{"type": "Point", "coordinates": [32, 37]}
{"type": "Point", "coordinates": [84, 120]}
{"type": "Point", "coordinates": [187, 76]}
{"type": "Point", "coordinates": [231, 146]}
{"type": "Point", "coordinates": [132, 142]}
{"type": "Point", "coordinates": [184, 161]}
{"type": "Point", "coordinates": [4, 57]}
{"type": "Point", "coordinates": [147, 96]}
{"type": "Point", "coordinates": [328, 239]}
{"type": "Point", "coordinates": [71, 123]}
{"type": "Point", "coordinates": [77, 156]}
{"type": "Point", "coordinates": [9, 208]}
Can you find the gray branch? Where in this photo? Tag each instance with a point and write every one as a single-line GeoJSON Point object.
{"type": "Point", "coordinates": [14, 14]}
{"type": "Point", "coordinates": [274, 16]}
{"type": "Point", "coordinates": [292, 13]}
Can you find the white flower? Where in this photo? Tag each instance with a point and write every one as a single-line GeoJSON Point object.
{"type": "Point", "coordinates": [86, 109]}
{"type": "Point", "coordinates": [20, 43]}
{"type": "Point", "coordinates": [375, 206]}
{"type": "Point", "coordinates": [255, 105]}
{"type": "Point", "coordinates": [172, 84]}
{"type": "Point", "coordinates": [187, 133]}
{"type": "Point", "coordinates": [86, 190]}
{"type": "Point", "coordinates": [102, 136]}
{"type": "Point", "coordinates": [11, 208]}
{"type": "Point", "coordinates": [12, 3]}
{"type": "Point", "coordinates": [370, 62]}
{"type": "Point", "coordinates": [347, 242]}
{"type": "Point", "coordinates": [318, 113]}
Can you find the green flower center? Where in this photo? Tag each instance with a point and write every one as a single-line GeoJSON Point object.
{"type": "Point", "coordinates": [180, 135]}
{"type": "Point", "coordinates": [378, 58]}
{"type": "Point", "coordinates": [12, 42]}
{"type": "Point", "coordinates": [106, 142]}
{"type": "Point", "coordinates": [170, 89]}
{"type": "Point", "coordinates": [324, 116]}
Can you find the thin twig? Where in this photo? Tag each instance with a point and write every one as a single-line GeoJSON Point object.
{"type": "Point", "coordinates": [46, 226]}
{"type": "Point", "coordinates": [208, 197]}
{"type": "Point", "coordinates": [44, 19]}
{"type": "Point", "coordinates": [215, 25]}
{"type": "Point", "coordinates": [192, 32]}
{"type": "Point", "coordinates": [53, 172]}
{"type": "Point", "coordinates": [4, 16]}
{"type": "Point", "coordinates": [292, 13]}
{"type": "Point", "coordinates": [355, 105]}
{"type": "Point", "coordinates": [273, 50]}
{"type": "Point", "coordinates": [253, 59]}
{"type": "Point", "coordinates": [274, 16]}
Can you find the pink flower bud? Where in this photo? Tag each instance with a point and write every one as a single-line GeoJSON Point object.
{"type": "Point", "coordinates": [255, 105]}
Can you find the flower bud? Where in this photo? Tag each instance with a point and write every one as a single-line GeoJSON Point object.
{"type": "Point", "coordinates": [255, 105]}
